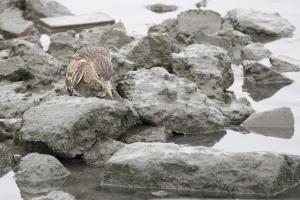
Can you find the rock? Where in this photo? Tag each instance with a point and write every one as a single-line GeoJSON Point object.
{"type": "Point", "coordinates": [101, 152]}
{"type": "Point", "coordinates": [40, 173]}
{"type": "Point", "coordinates": [202, 3]}
{"type": "Point", "coordinates": [167, 26]}
{"type": "Point", "coordinates": [153, 50]}
{"type": "Point", "coordinates": [70, 126]}
{"type": "Point", "coordinates": [14, 101]}
{"type": "Point", "coordinates": [9, 127]}
{"type": "Point", "coordinates": [206, 21]}
{"type": "Point", "coordinates": [276, 123]}
{"type": "Point", "coordinates": [206, 65]}
{"type": "Point", "coordinates": [257, 23]}
{"type": "Point", "coordinates": [186, 168]}
{"type": "Point", "coordinates": [160, 194]}
{"type": "Point", "coordinates": [5, 4]}
{"type": "Point", "coordinates": [36, 9]}
{"type": "Point", "coordinates": [107, 36]}
{"type": "Point", "coordinates": [6, 161]}
{"type": "Point", "coordinates": [161, 8]}
{"type": "Point", "coordinates": [62, 45]}
{"type": "Point", "coordinates": [285, 64]}
{"type": "Point", "coordinates": [161, 98]}
{"type": "Point", "coordinates": [238, 111]}
{"type": "Point", "coordinates": [260, 74]}
{"type": "Point", "coordinates": [121, 66]}
{"type": "Point", "coordinates": [28, 62]}
{"type": "Point", "coordinates": [144, 133]}
{"type": "Point", "coordinates": [255, 51]}
{"type": "Point", "coordinates": [12, 23]}
{"type": "Point", "coordinates": [55, 195]}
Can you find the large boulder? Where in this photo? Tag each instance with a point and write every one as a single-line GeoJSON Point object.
{"type": "Point", "coordinates": [257, 23]}
{"type": "Point", "coordinates": [55, 195]}
{"type": "Point", "coordinates": [36, 9]}
{"type": "Point", "coordinates": [14, 101]}
{"type": "Point", "coordinates": [255, 51]}
{"type": "Point", "coordinates": [192, 21]}
{"type": "Point", "coordinates": [179, 167]}
{"type": "Point", "coordinates": [260, 74]}
{"type": "Point", "coordinates": [12, 23]}
{"type": "Point", "coordinates": [70, 126]}
{"type": "Point", "coordinates": [153, 50]}
{"type": "Point", "coordinates": [161, 98]}
{"type": "Point", "coordinates": [276, 123]}
{"type": "Point", "coordinates": [28, 62]}
{"type": "Point", "coordinates": [40, 173]}
{"type": "Point", "coordinates": [285, 64]}
{"type": "Point", "coordinates": [101, 151]}
{"type": "Point", "coordinates": [107, 36]}
{"type": "Point", "coordinates": [144, 133]}
{"type": "Point", "coordinates": [206, 65]}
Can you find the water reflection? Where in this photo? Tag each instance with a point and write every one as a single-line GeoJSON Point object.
{"type": "Point", "coordinates": [284, 133]}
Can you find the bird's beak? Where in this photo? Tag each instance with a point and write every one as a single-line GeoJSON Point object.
{"type": "Point", "coordinates": [108, 88]}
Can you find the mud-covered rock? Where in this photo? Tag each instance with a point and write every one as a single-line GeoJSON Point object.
{"type": "Point", "coordinates": [161, 98]}
{"type": "Point", "coordinates": [70, 126]}
{"type": "Point", "coordinates": [144, 133]}
{"type": "Point", "coordinates": [36, 9]}
{"type": "Point", "coordinates": [55, 195]}
{"type": "Point", "coordinates": [101, 151]}
{"type": "Point", "coordinates": [161, 8]}
{"type": "Point", "coordinates": [255, 51]}
{"type": "Point", "coordinates": [257, 23]}
{"type": "Point", "coordinates": [206, 65]}
{"type": "Point", "coordinates": [260, 74]}
{"type": "Point", "coordinates": [12, 23]}
{"type": "Point", "coordinates": [180, 167]}
{"type": "Point", "coordinates": [40, 173]}
{"type": "Point", "coordinates": [285, 64]}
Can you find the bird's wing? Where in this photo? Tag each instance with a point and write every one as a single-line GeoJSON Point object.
{"type": "Point", "coordinates": [74, 73]}
{"type": "Point", "coordinates": [103, 67]}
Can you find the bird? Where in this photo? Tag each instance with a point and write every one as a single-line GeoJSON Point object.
{"type": "Point", "coordinates": [90, 72]}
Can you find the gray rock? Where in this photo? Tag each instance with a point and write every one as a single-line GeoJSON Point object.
{"type": "Point", "coordinates": [285, 64]}
{"type": "Point", "coordinates": [9, 127]}
{"type": "Point", "coordinates": [28, 62]}
{"type": "Point", "coordinates": [13, 101]}
{"type": "Point", "coordinates": [206, 21]}
{"type": "Point", "coordinates": [151, 51]}
{"type": "Point", "coordinates": [259, 23]}
{"type": "Point", "coordinates": [206, 65]}
{"type": "Point", "coordinates": [160, 194]}
{"type": "Point", "coordinates": [161, 98]}
{"type": "Point", "coordinates": [260, 74]}
{"type": "Point", "coordinates": [276, 123]}
{"type": "Point", "coordinates": [101, 151]}
{"type": "Point", "coordinates": [40, 173]}
{"type": "Point", "coordinates": [36, 9]}
{"type": "Point", "coordinates": [167, 26]}
{"type": "Point", "coordinates": [144, 133]}
{"type": "Point", "coordinates": [70, 126]}
{"type": "Point", "coordinates": [62, 45]}
{"type": "Point", "coordinates": [55, 195]}
{"type": "Point", "coordinates": [107, 36]}
{"type": "Point", "coordinates": [255, 51]}
{"type": "Point", "coordinates": [238, 111]}
{"type": "Point", "coordinates": [202, 3]}
{"type": "Point", "coordinates": [161, 8]}
{"type": "Point", "coordinates": [6, 161]}
{"type": "Point", "coordinates": [12, 23]}
{"type": "Point", "coordinates": [121, 66]}
{"type": "Point", "coordinates": [164, 166]}
{"type": "Point", "coordinates": [5, 4]}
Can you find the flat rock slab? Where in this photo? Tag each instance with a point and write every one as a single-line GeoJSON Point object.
{"type": "Point", "coordinates": [276, 123]}
{"type": "Point", "coordinates": [40, 173]}
{"type": "Point", "coordinates": [257, 23]}
{"type": "Point", "coordinates": [78, 22]}
{"type": "Point", "coordinates": [285, 64]}
{"type": "Point", "coordinates": [179, 167]}
{"type": "Point", "coordinates": [255, 51]}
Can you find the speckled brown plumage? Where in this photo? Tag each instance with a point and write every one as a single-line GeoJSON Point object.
{"type": "Point", "coordinates": [90, 72]}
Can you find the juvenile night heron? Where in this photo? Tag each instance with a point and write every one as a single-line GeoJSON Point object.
{"type": "Point", "coordinates": [90, 72]}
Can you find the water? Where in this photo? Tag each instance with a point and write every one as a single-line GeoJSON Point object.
{"type": "Point", "coordinates": [85, 180]}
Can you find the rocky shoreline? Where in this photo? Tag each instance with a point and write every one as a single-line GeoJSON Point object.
{"type": "Point", "coordinates": [172, 81]}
